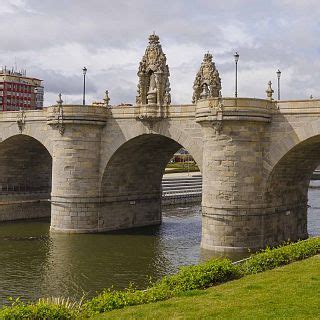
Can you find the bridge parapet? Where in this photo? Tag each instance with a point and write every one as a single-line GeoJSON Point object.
{"type": "Point", "coordinates": [243, 109]}
{"type": "Point", "coordinates": [299, 106]}
{"type": "Point", "coordinates": [77, 114]}
{"type": "Point", "coordinates": [30, 115]}
{"type": "Point", "coordinates": [172, 111]}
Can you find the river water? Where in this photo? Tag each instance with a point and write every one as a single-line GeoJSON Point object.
{"type": "Point", "coordinates": [35, 263]}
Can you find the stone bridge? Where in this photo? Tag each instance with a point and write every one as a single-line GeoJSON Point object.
{"type": "Point", "coordinates": [102, 166]}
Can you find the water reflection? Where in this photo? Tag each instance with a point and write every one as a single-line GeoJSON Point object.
{"type": "Point", "coordinates": [34, 263]}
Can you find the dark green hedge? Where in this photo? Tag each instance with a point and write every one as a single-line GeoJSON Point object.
{"type": "Point", "coordinates": [201, 276]}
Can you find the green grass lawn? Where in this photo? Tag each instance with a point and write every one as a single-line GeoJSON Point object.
{"type": "Point", "coordinates": [290, 292]}
{"type": "Point", "coordinates": [181, 167]}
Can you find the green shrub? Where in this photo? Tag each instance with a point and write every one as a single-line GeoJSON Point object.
{"type": "Point", "coordinates": [200, 276]}
{"type": "Point", "coordinates": [188, 278]}
{"type": "Point", "coordinates": [38, 311]}
{"type": "Point", "coordinates": [276, 257]}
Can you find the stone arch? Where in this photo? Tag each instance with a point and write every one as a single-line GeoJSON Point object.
{"type": "Point", "coordinates": [25, 178]}
{"type": "Point", "coordinates": [32, 131]}
{"type": "Point", "coordinates": [296, 135]}
{"type": "Point", "coordinates": [130, 190]}
{"type": "Point", "coordinates": [287, 186]}
{"type": "Point", "coordinates": [122, 132]}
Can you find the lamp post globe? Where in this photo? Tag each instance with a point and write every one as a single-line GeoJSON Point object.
{"type": "Point", "coordinates": [84, 70]}
{"type": "Point", "coordinates": [236, 57]}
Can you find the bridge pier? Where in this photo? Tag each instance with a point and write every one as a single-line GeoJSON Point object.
{"type": "Point", "coordinates": [233, 206]}
{"type": "Point", "coordinates": [75, 171]}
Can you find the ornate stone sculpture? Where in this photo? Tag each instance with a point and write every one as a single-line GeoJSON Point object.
{"type": "Point", "coordinates": [154, 85]}
{"type": "Point", "coordinates": [269, 91]}
{"type": "Point", "coordinates": [207, 83]}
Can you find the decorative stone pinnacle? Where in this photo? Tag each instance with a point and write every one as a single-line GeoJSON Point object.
{"type": "Point", "coordinates": [59, 101]}
{"type": "Point", "coordinates": [154, 85]}
{"type": "Point", "coordinates": [269, 91]}
{"type": "Point", "coordinates": [207, 83]}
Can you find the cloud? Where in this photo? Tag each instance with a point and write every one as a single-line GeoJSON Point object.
{"type": "Point", "coordinates": [54, 40]}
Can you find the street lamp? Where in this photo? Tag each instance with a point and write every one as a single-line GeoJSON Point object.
{"type": "Point", "coordinates": [84, 85]}
{"type": "Point", "coordinates": [236, 59]}
{"type": "Point", "coordinates": [278, 75]}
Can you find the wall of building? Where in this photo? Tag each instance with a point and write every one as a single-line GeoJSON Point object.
{"type": "Point", "coordinates": [17, 91]}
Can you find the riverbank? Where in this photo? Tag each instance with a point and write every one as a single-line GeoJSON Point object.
{"type": "Point", "coordinates": [181, 188]}
{"type": "Point", "coordinates": [191, 282]}
{"type": "Point", "coordinates": [289, 292]}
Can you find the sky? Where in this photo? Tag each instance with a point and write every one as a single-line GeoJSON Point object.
{"type": "Point", "coordinates": [54, 39]}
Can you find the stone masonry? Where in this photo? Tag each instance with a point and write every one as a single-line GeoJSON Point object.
{"type": "Point", "coordinates": [99, 167]}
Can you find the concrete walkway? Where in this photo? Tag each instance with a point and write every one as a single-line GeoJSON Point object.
{"type": "Point", "coordinates": [181, 174]}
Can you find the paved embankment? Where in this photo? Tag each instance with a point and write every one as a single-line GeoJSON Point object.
{"type": "Point", "coordinates": [181, 188]}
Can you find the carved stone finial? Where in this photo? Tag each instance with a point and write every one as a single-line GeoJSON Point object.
{"type": "Point", "coordinates": [269, 91]}
{"type": "Point", "coordinates": [59, 101]}
{"type": "Point", "coordinates": [153, 38]}
{"type": "Point", "coordinates": [106, 99]}
{"type": "Point", "coordinates": [154, 85]}
{"type": "Point", "coordinates": [207, 83]}
{"type": "Point", "coordinates": [21, 120]}
{"type": "Point", "coordinates": [59, 115]}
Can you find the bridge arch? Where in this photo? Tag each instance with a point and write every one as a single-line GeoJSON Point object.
{"type": "Point", "coordinates": [187, 134]}
{"type": "Point", "coordinates": [130, 190]}
{"type": "Point", "coordinates": [296, 133]}
{"type": "Point", "coordinates": [38, 133]}
{"type": "Point", "coordinates": [25, 178]}
{"type": "Point", "coordinates": [287, 186]}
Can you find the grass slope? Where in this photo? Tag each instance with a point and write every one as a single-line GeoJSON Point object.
{"type": "Point", "coordinates": [290, 292]}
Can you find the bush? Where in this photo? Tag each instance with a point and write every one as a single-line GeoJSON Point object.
{"type": "Point", "coordinates": [276, 257]}
{"type": "Point", "coordinates": [188, 278]}
{"type": "Point", "coordinates": [38, 311]}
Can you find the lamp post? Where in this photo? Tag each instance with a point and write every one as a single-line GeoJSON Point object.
{"type": "Point", "coordinates": [84, 85]}
{"type": "Point", "coordinates": [236, 59]}
{"type": "Point", "coordinates": [278, 76]}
